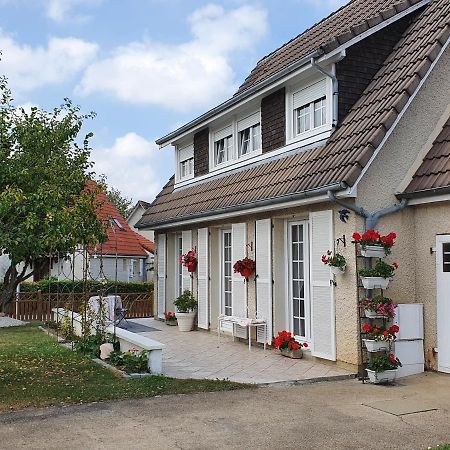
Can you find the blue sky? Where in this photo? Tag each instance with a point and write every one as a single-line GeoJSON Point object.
{"type": "Point", "coordinates": [144, 66]}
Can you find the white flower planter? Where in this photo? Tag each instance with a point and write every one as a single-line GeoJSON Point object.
{"type": "Point", "coordinates": [388, 376]}
{"type": "Point", "coordinates": [376, 346]}
{"type": "Point", "coordinates": [337, 270]}
{"type": "Point", "coordinates": [185, 321]}
{"type": "Point", "coordinates": [375, 282]}
{"type": "Point", "coordinates": [373, 314]}
{"type": "Point", "coordinates": [373, 251]}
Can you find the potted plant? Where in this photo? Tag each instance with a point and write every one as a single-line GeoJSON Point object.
{"type": "Point", "coordinates": [336, 262]}
{"type": "Point", "coordinates": [245, 267]}
{"type": "Point", "coordinates": [171, 318]}
{"type": "Point", "coordinates": [379, 338]}
{"type": "Point", "coordinates": [383, 368]}
{"type": "Point", "coordinates": [373, 244]}
{"type": "Point", "coordinates": [286, 345]}
{"type": "Point", "coordinates": [189, 260]}
{"type": "Point", "coordinates": [378, 307]}
{"type": "Point", "coordinates": [186, 305]}
{"type": "Point", "coordinates": [379, 276]}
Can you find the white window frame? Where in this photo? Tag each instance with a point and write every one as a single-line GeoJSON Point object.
{"type": "Point", "coordinates": [314, 133]}
{"type": "Point", "coordinates": [232, 128]}
{"type": "Point", "coordinates": [222, 270]}
{"type": "Point", "coordinates": [189, 150]}
{"type": "Point", "coordinates": [307, 292]}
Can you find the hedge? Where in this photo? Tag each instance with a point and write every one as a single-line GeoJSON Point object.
{"type": "Point", "coordinates": [52, 286]}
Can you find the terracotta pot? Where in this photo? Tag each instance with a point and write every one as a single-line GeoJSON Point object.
{"type": "Point", "coordinates": [294, 354]}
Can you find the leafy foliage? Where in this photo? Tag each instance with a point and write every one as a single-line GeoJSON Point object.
{"type": "Point", "coordinates": [185, 302]}
{"type": "Point", "coordinates": [132, 361]}
{"type": "Point", "coordinates": [122, 203]}
{"type": "Point", "coordinates": [52, 285]}
{"type": "Point", "coordinates": [381, 269]}
{"type": "Point", "coordinates": [45, 207]}
{"type": "Point", "coordinates": [381, 363]}
{"type": "Point", "coordinates": [336, 260]}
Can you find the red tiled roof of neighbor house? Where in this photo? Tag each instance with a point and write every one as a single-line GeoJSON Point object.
{"type": "Point", "coordinates": [433, 175]}
{"type": "Point", "coordinates": [349, 149]}
{"type": "Point", "coordinates": [122, 239]}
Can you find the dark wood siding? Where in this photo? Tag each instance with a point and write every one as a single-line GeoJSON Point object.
{"type": "Point", "coordinates": [363, 61]}
{"type": "Point", "coordinates": [273, 121]}
{"type": "Point", "coordinates": [201, 152]}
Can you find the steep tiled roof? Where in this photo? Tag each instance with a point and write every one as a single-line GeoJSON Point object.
{"type": "Point", "coordinates": [350, 148]}
{"type": "Point", "coordinates": [434, 172]}
{"type": "Point", "coordinates": [122, 240]}
{"type": "Point", "coordinates": [351, 20]}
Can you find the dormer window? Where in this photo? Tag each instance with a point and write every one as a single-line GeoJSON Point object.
{"type": "Point", "coordinates": [185, 156]}
{"type": "Point", "coordinates": [223, 146]}
{"type": "Point", "coordinates": [249, 135]}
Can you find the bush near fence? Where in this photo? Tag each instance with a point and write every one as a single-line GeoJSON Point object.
{"type": "Point", "coordinates": [38, 305]}
{"type": "Point", "coordinates": [49, 285]}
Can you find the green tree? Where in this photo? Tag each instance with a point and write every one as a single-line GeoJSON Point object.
{"type": "Point", "coordinates": [45, 207]}
{"type": "Point", "coordinates": [122, 203]}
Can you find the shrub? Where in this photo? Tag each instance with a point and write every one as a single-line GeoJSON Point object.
{"type": "Point", "coordinates": [185, 302]}
{"type": "Point", "coordinates": [132, 361]}
{"type": "Point", "coordinates": [66, 329]}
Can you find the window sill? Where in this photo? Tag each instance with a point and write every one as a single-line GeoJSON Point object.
{"type": "Point", "coordinates": [309, 134]}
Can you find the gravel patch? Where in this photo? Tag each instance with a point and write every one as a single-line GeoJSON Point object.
{"type": "Point", "coordinates": [10, 322]}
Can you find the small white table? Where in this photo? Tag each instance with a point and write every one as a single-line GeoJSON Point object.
{"type": "Point", "coordinates": [245, 323]}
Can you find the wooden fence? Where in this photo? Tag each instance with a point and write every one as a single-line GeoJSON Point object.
{"type": "Point", "coordinates": [38, 306]}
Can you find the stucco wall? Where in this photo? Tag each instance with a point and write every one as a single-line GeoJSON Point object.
{"type": "Point", "coordinates": [133, 220]}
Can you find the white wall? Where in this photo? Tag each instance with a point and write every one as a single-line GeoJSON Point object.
{"type": "Point", "coordinates": [133, 220]}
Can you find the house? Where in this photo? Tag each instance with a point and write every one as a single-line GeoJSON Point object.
{"type": "Point", "coordinates": [135, 216]}
{"type": "Point", "coordinates": [352, 114]}
{"type": "Point", "coordinates": [126, 255]}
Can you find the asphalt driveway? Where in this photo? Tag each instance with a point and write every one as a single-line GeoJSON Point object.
{"type": "Point", "coordinates": [335, 415]}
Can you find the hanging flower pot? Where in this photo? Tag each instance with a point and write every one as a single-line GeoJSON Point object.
{"type": "Point", "coordinates": [245, 267]}
{"type": "Point", "coordinates": [337, 270]}
{"type": "Point", "coordinates": [336, 262]}
{"type": "Point", "coordinates": [373, 251]}
{"type": "Point", "coordinates": [375, 346]}
{"type": "Point", "coordinates": [192, 267]}
{"type": "Point", "coordinates": [189, 260]}
{"type": "Point", "coordinates": [375, 282]}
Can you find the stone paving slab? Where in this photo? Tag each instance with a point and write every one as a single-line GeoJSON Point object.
{"type": "Point", "coordinates": [403, 406]}
{"type": "Point", "coordinates": [200, 355]}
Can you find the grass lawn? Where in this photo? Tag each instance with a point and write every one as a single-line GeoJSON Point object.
{"type": "Point", "coordinates": [36, 371]}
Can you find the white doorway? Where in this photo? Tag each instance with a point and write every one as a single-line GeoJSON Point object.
{"type": "Point", "coordinates": [443, 301]}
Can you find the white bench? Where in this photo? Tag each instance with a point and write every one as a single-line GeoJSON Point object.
{"type": "Point", "coordinates": [245, 323]}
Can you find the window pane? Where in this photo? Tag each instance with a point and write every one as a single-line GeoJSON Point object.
{"type": "Point", "coordinates": [319, 112]}
{"type": "Point", "coordinates": [220, 152]}
{"type": "Point", "coordinates": [296, 308]}
{"type": "Point", "coordinates": [446, 257]}
{"type": "Point", "coordinates": [302, 331]}
{"type": "Point", "coordinates": [296, 327]}
{"type": "Point", "coordinates": [256, 131]}
{"type": "Point", "coordinates": [244, 142]}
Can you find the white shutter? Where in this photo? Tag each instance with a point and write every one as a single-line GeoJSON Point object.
{"type": "Point", "coordinates": [248, 121]}
{"type": "Point", "coordinates": [161, 266]}
{"type": "Point", "coordinates": [187, 245]}
{"type": "Point", "coordinates": [239, 287]}
{"type": "Point", "coordinates": [264, 277]}
{"type": "Point", "coordinates": [186, 153]}
{"type": "Point", "coordinates": [323, 316]}
{"type": "Point", "coordinates": [225, 132]}
{"type": "Point", "coordinates": [203, 278]}
{"type": "Point", "coordinates": [310, 94]}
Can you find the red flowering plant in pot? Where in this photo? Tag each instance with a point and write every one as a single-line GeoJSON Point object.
{"type": "Point", "coordinates": [288, 346]}
{"type": "Point", "coordinates": [171, 318]}
{"type": "Point", "coordinates": [189, 260]}
{"type": "Point", "coordinates": [245, 267]}
{"type": "Point", "coordinates": [373, 244]}
{"type": "Point", "coordinates": [379, 338]}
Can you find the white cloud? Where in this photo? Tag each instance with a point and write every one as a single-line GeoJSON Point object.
{"type": "Point", "coordinates": [193, 74]}
{"type": "Point", "coordinates": [61, 10]}
{"type": "Point", "coordinates": [327, 4]}
{"type": "Point", "coordinates": [132, 165]}
{"type": "Point", "coordinates": [30, 67]}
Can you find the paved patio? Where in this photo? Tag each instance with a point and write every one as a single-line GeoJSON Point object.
{"type": "Point", "coordinates": [198, 354]}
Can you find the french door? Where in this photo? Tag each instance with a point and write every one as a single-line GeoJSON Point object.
{"type": "Point", "coordinates": [298, 298]}
{"type": "Point", "coordinates": [226, 273]}
{"type": "Point", "coordinates": [443, 301]}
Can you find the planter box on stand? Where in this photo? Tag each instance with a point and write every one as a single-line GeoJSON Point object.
{"type": "Point", "coordinates": [185, 321]}
{"type": "Point", "coordinates": [388, 376]}
{"type": "Point", "coordinates": [374, 315]}
{"type": "Point", "coordinates": [375, 282]}
{"type": "Point", "coordinates": [376, 346]}
{"type": "Point", "coordinates": [373, 251]}
{"type": "Point", "coordinates": [294, 354]}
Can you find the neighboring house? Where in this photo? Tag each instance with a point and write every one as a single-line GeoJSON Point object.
{"type": "Point", "coordinates": [125, 256]}
{"type": "Point", "coordinates": [353, 111]}
{"type": "Point", "coordinates": [135, 216]}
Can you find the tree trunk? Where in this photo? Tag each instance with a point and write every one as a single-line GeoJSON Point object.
{"type": "Point", "coordinates": [10, 283]}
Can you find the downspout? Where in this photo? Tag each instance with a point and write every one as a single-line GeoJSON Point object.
{"type": "Point", "coordinates": [335, 82]}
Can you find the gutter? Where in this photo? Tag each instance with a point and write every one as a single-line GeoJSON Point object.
{"type": "Point", "coordinates": [335, 82]}
{"type": "Point", "coordinates": [261, 203]}
{"type": "Point", "coordinates": [371, 219]}
{"type": "Point", "coordinates": [424, 193]}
